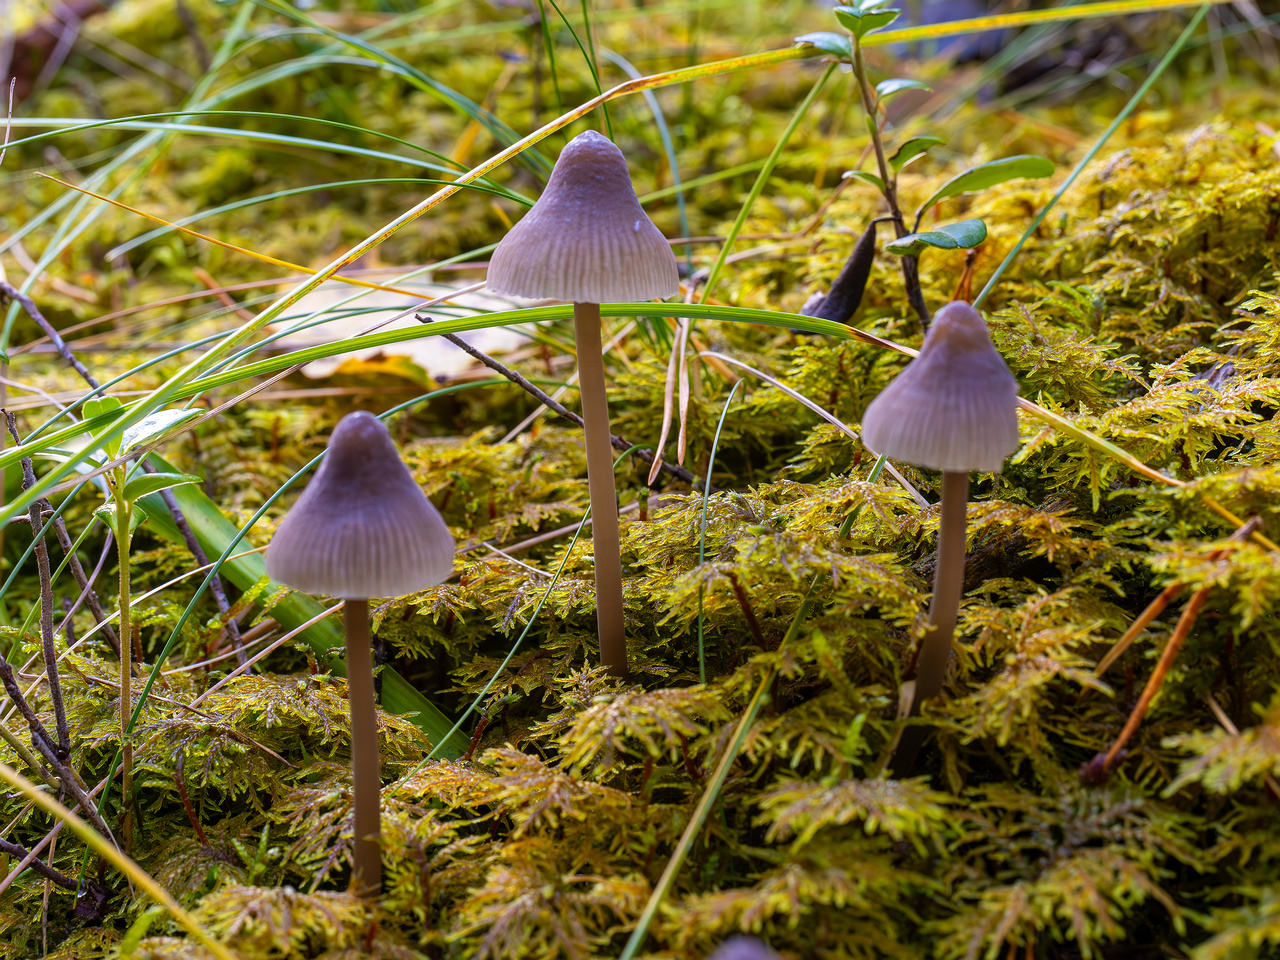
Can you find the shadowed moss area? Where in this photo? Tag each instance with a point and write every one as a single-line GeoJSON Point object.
{"type": "Point", "coordinates": [1145, 309]}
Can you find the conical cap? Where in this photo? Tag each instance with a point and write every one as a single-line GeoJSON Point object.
{"type": "Point", "coordinates": [954, 407]}
{"type": "Point", "coordinates": [363, 527]}
{"type": "Point", "coordinates": [587, 239]}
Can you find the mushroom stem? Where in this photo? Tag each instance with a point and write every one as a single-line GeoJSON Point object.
{"type": "Point", "coordinates": [948, 585]}
{"type": "Point", "coordinates": [604, 498]}
{"type": "Point", "coordinates": [366, 775]}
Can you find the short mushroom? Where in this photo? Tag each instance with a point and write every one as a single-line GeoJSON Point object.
{"type": "Point", "coordinates": [955, 409]}
{"type": "Point", "coordinates": [587, 240]}
{"type": "Point", "coordinates": [363, 528]}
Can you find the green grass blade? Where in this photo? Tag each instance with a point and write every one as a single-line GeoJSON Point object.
{"type": "Point", "coordinates": [763, 177]}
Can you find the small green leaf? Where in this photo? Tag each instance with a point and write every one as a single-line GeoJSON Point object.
{"type": "Point", "coordinates": [834, 43]}
{"type": "Point", "coordinates": [989, 174]}
{"type": "Point", "coordinates": [107, 514]}
{"type": "Point", "coordinates": [962, 235]}
{"type": "Point", "coordinates": [866, 177]}
{"type": "Point", "coordinates": [97, 406]}
{"type": "Point", "coordinates": [861, 22]}
{"type": "Point", "coordinates": [146, 483]}
{"type": "Point", "coordinates": [887, 89]}
{"type": "Point", "coordinates": [157, 424]}
{"type": "Point", "coordinates": [911, 150]}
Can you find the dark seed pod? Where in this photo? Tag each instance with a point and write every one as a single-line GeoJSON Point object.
{"type": "Point", "coordinates": [845, 294]}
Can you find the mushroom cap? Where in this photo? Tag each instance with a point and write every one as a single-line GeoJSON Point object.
{"type": "Point", "coordinates": [744, 948]}
{"type": "Point", "coordinates": [954, 407]}
{"type": "Point", "coordinates": [363, 527]}
{"type": "Point", "coordinates": [586, 239]}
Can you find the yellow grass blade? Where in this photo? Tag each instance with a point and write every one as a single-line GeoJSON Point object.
{"type": "Point", "coordinates": [1085, 11]}
{"type": "Point", "coordinates": [117, 859]}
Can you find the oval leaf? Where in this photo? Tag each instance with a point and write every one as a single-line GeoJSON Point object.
{"type": "Point", "coordinates": [963, 234]}
{"type": "Point", "coordinates": [862, 22]}
{"type": "Point", "coordinates": [886, 89]}
{"type": "Point", "coordinates": [96, 406]}
{"type": "Point", "coordinates": [989, 174]}
{"type": "Point", "coordinates": [157, 424]}
{"type": "Point", "coordinates": [146, 483]}
{"type": "Point", "coordinates": [866, 177]}
{"type": "Point", "coordinates": [834, 43]}
{"type": "Point", "coordinates": [107, 514]}
{"type": "Point", "coordinates": [913, 148]}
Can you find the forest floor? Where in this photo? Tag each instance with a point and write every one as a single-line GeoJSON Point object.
{"type": "Point", "coordinates": [532, 800]}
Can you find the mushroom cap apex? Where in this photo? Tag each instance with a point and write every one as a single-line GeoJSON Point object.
{"type": "Point", "coordinates": [587, 239]}
{"type": "Point", "coordinates": [363, 527]}
{"type": "Point", "coordinates": [954, 407]}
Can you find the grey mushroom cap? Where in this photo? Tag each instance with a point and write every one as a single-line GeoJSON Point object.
{"type": "Point", "coordinates": [954, 407]}
{"type": "Point", "coordinates": [363, 527]}
{"type": "Point", "coordinates": [587, 239]}
{"type": "Point", "coordinates": [744, 948]}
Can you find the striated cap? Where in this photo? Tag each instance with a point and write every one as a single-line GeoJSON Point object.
{"type": "Point", "coordinates": [363, 527]}
{"type": "Point", "coordinates": [587, 238]}
{"type": "Point", "coordinates": [954, 407]}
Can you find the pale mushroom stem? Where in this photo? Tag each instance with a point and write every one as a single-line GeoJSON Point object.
{"type": "Point", "coordinates": [365, 769]}
{"type": "Point", "coordinates": [604, 498]}
{"type": "Point", "coordinates": [948, 585]}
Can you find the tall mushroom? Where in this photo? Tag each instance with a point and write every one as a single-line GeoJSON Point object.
{"type": "Point", "coordinates": [587, 240]}
{"type": "Point", "coordinates": [955, 409]}
{"type": "Point", "coordinates": [363, 528]}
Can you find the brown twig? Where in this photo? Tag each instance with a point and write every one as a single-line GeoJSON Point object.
{"type": "Point", "coordinates": [1154, 609]}
{"type": "Point", "coordinates": [745, 603]}
{"type": "Point", "coordinates": [1095, 771]}
{"type": "Point", "coordinates": [85, 583]}
{"type": "Point", "coordinates": [46, 599]}
{"type": "Point", "coordinates": [620, 443]}
{"type": "Point", "coordinates": [186, 800]}
{"type": "Point", "coordinates": [36, 864]}
{"type": "Point", "coordinates": [41, 740]}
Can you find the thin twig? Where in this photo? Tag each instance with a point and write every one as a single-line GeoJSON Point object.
{"type": "Point", "coordinates": [36, 864]}
{"type": "Point", "coordinates": [25, 862]}
{"type": "Point", "coordinates": [181, 783]}
{"type": "Point", "coordinates": [87, 593]}
{"type": "Point", "coordinates": [620, 443]}
{"type": "Point", "coordinates": [41, 740]}
{"type": "Point", "coordinates": [46, 599]}
{"type": "Point", "coordinates": [1095, 772]}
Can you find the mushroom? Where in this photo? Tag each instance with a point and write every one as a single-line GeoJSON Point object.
{"type": "Point", "coordinates": [955, 409]}
{"type": "Point", "coordinates": [363, 528]}
{"type": "Point", "coordinates": [588, 240]}
{"type": "Point", "coordinates": [744, 948]}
